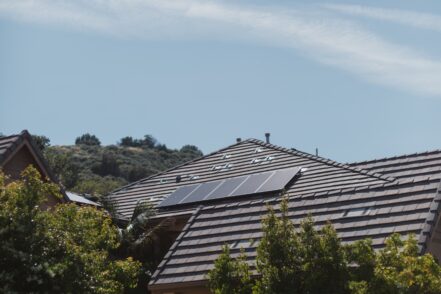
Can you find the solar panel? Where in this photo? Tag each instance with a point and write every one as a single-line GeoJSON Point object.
{"type": "Point", "coordinates": [200, 192]}
{"type": "Point", "coordinates": [251, 184]}
{"type": "Point", "coordinates": [178, 195]}
{"type": "Point", "coordinates": [227, 187]}
{"type": "Point", "coordinates": [233, 187]}
{"type": "Point", "coordinates": [279, 180]}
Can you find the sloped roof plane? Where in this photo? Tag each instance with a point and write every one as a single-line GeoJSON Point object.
{"type": "Point", "coordinates": [408, 203]}
{"type": "Point", "coordinates": [244, 158]}
{"type": "Point", "coordinates": [370, 199]}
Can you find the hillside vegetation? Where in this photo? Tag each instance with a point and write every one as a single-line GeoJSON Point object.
{"type": "Point", "coordinates": [89, 168]}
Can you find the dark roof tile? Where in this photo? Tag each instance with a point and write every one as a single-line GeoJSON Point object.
{"type": "Point", "coordinates": [327, 190]}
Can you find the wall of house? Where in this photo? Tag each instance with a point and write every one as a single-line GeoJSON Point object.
{"type": "Point", "coordinates": [18, 163]}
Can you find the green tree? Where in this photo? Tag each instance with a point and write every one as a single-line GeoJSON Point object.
{"type": "Point", "coordinates": [62, 250]}
{"type": "Point", "coordinates": [279, 254]}
{"type": "Point", "coordinates": [146, 241]}
{"type": "Point", "coordinates": [127, 142]}
{"type": "Point", "coordinates": [400, 269]}
{"type": "Point", "coordinates": [230, 275]}
{"type": "Point", "coordinates": [313, 261]}
{"type": "Point", "coordinates": [324, 261]}
{"type": "Point", "coordinates": [107, 166]}
{"type": "Point", "coordinates": [87, 139]}
{"type": "Point", "coordinates": [149, 141]}
{"type": "Point", "coordinates": [63, 165]}
{"type": "Point", "coordinates": [191, 149]}
{"type": "Point", "coordinates": [42, 142]}
{"type": "Point", "coordinates": [98, 186]}
{"type": "Point", "coordinates": [136, 173]}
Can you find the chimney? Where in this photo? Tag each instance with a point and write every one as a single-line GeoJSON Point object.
{"type": "Point", "coordinates": [238, 140]}
{"type": "Point", "coordinates": [267, 136]}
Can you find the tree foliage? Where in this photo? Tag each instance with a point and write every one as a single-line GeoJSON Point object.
{"type": "Point", "coordinates": [107, 166]}
{"type": "Point", "coordinates": [230, 275]}
{"type": "Point", "coordinates": [148, 141]}
{"type": "Point", "coordinates": [87, 139]}
{"type": "Point", "coordinates": [307, 260]}
{"type": "Point", "coordinates": [278, 255]}
{"type": "Point", "coordinates": [62, 250]}
{"type": "Point", "coordinates": [98, 170]}
{"type": "Point", "coordinates": [145, 241]}
{"type": "Point", "coordinates": [66, 169]}
{"type": "Point", "coordinates": [42, 142]}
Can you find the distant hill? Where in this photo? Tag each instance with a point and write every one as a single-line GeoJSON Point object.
{"type": "Point", "coordinates": [89, 168]}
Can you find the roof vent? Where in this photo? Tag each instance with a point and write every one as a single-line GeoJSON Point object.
{"type": "Point", "coordinates": [357, 212]}
{"type": "Point", "coordinates": [260, 160]}
{"type": "Point", "coordinates": [163, 181]}
{"type": "Point", "coordinates": [256, 160]}
{"type": "Point", "coordinates": [222, 167]}
{"type": "Point", "coordinates": [193, 177]}
{"type": "Point", "coordinates": [217, 167]}
{"type": "Point", "coordinates": [268, 158]}
{"type": "Point", "coordinates": [238, 140]}
{"type": "Point", "coordinates": [267, 137]}
{"type": "Point", "coordinates": [226, 156]}
{"type": "Point", "coordinates": [258, 150]}
{"type": "Point", "coordinates": [178, 178]}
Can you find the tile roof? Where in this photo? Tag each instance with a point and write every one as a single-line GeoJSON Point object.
{"type": "Point", "coordinates": [405, 166]}
{"type": "Point", "coordinates": [355, 198]}
{"type": "Point", "coordinates": [247, 157]}
{"type": "Point", "coordinates": [7, 146]}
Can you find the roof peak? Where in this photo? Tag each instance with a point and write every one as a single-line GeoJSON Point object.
{"type": "Point", "coordinates": [268, 145]}
{"type": "Point", "coordinates": [320, 159]}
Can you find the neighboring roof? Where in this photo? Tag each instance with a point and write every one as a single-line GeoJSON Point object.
{"type": "Point", "coordinates": [10, 144]}
{"type": "Point", "coordinates": [321, 174]}
{"type": "Point", "coordinates": [405, 166]}
{"type": "Point", "coordinates": [80, 199]}
{"type": "Point", "coordinates": [374, 209]}
{"type": "Point", "coordinates": [7, 146]}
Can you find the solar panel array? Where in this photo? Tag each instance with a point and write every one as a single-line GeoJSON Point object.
{"type": "Point", "coordinates": [233, 187]}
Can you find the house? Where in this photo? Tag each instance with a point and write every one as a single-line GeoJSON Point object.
{"type": "Point", "coordinates": [17, 152]}
{"type": "Point", "coordinates": [221, 197]}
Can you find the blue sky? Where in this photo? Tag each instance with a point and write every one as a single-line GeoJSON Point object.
{"type": "Point", "coordinates": [356, 80]}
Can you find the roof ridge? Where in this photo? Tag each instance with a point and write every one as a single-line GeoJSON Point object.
{"type": "Point", "coordinates": [10, 136]}
{"type": "Point", "coordinates": [395, 157]}
{"type": "Point", "coordinates": [177, 166]}
{"type": "Point", "coordinates": [11, 145]}
{"type": "Point", "coordinates": [323, 160]}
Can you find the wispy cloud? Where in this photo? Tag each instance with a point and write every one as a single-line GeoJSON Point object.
{"type": "Point", "coordinates": [326, 39]}
{"type": "Point", "coordinates": [405, 17]}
